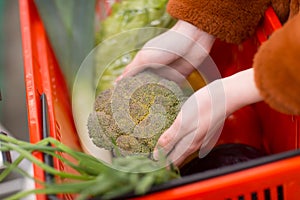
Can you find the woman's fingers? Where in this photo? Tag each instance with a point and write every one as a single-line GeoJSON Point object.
{"type": "Point", "coordinates": [197, 122]}
{"type": "Point", "coordinates": [179, 143]}
{"type": "Point", "coordinates": [185, 147]}
{"type": "Point", "coordinates": [187, 121]}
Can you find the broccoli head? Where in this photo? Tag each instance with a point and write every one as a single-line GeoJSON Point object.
{"type": "Point", "coordinates": [132, 115]}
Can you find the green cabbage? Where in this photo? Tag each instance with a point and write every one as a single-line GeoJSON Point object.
{"type": "Point", "coordinates": [120, 38]}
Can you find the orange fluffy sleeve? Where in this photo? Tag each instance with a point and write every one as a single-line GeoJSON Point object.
{"type": "Point", "coordinates": [277, 68]}
{"type": "Point", "coordinates": [229, 20]}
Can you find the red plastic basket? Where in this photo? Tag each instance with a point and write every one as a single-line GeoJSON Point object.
{"type": "Point", "coordinates": [272, 177]}
{"type": "Point", "coordinates": [43, 76]}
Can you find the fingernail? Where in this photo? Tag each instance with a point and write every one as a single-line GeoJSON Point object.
{"type": "Point", "coordinates": [155, 154]}
{"type": "Point", "coordinates": [158, 152]}
{"type": "Point", "coordinates": [119, 78]}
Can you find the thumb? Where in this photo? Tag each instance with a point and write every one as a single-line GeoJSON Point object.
{"type": "Point", "coordinates": [131, 69]}
{"type": "Point", "coordinates": [170, 138]}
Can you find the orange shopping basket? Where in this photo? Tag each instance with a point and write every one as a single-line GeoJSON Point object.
{"type": "Point", "coordinates": [275, 176]}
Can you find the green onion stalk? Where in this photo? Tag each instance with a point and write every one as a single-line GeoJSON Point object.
{"type": "Point", "coordinates": [130, 174]}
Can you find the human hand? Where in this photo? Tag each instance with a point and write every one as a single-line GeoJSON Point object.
{"type": "Point", "coordinates": [200, 121]}
{"type": "Point", "coordinates": [181, 49]}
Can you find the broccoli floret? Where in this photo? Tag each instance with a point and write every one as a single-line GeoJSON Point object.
{"type": "Point", "coordinates": [130, 117]}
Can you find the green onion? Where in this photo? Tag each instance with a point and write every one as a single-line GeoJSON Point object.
{"type": "Point", "coordinates": [92, 177]}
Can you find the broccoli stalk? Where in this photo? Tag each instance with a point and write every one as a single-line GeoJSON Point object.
{"type": "Point", "coordinates": [129, 117]}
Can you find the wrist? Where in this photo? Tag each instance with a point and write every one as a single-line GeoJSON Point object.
{"type": "Point", "coordinates": [202, 38]}
{"type": "Point", "coordinates": [240, 90]}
